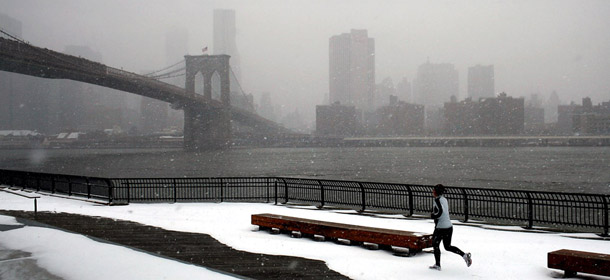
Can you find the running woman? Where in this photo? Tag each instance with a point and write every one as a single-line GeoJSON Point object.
{"type": "Point", "coordinates": [443, 229]}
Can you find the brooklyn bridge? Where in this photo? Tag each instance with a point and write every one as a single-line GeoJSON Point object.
{"type": "Point", "coordinates": [208, 121]}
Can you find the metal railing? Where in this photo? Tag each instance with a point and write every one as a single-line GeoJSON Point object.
{"type": "Point", "coordinates": [90, 187]}
{"type": "Point", "coordinates": [560, 210]}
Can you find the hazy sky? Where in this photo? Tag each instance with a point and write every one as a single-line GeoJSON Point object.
{"type": "Point", "coordinates": [535, 46]}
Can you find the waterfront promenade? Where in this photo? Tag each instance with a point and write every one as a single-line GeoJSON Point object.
{"type": "Point", "coordinates": [195, 248]}
{"type": "Point", "coordinates": [498, 252]}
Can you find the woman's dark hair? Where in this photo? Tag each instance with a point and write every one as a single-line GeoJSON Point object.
{"type": "Point", "coordinates": [439, 189]}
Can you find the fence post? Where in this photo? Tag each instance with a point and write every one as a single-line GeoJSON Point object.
{"type": "Point", "coordinates": [175, 197]}
{"type": "Point", "coordinates": [222, 193]}
{"type": "Point", "coordinates": [363, 206]}
{"type": "Point", "coordinates": [465, 196]}
{"type": "Point", "coordinates": [411, 208]}
{"type": "Point", "coordinates": [267, 189]}
{"type": "Point", "coordinates": [88, 187]}
{"type": "Point", "coordinates": [605, 198]}
{"type": "Point", "coordinates": [128, 191]}
{"type": "Point", "coordinates": [275, 185]}
{"type": "Point", "coordinates": [321, 194]}
{"type": "Point", "coordinates": [530, 211]}
{"type": "Point", "coordinates": [285, 191]}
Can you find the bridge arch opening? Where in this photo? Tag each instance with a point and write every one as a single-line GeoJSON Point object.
{"type": "Point", "coordinates": [199, 83]}
{"type": "Point", "coordinates": [216, 86]}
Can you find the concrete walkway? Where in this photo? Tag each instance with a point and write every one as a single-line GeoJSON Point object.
{"type": "Point", "coordinates": [195, 248]}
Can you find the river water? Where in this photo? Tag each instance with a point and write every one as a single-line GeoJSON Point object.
{"type": "Point", "coordinates": [566, 169]}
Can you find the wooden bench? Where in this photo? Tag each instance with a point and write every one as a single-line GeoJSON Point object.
{"type": "Point", "coordinates": [357, 235]}
{"type": "Point", "coordinates": [572, 262]}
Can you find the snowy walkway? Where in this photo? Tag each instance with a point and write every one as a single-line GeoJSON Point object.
{"type": "Point", "coordinates": [195, 248]}
{"type": "Point", "coordinates": [497, 254]}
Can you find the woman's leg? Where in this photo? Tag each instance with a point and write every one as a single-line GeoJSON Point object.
{"type": "Point", "coordinates": [436, 242]}
{"type": "Point", "coordinates": [447, 243]}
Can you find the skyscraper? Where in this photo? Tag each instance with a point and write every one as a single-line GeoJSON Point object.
{"type": "Point", "coordinates": [224, 38]}
{"type": "Point", "coordinates": [403, 90]}
{"type": "Point", "coordinates": [481, 83]}
{"type": "Point", "coordinates": [352, 69]}
{"type": "Point", "coordinates": [82, 106]}
{"type": "Point", "coordinates": [23, 99]}
{"type": "Point", "coordinates": [435, 84]}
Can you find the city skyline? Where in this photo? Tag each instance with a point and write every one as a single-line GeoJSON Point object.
{"type": "Point", "coordinates": [535, 47]}
{"type": "Point", "coordinates": [352, 69]}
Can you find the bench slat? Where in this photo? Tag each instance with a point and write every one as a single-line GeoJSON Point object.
{"type": "Point", "coordinates": [412, 240]}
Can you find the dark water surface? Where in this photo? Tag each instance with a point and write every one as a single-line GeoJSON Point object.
{"type": "Point", "coordinates": [569, 169]}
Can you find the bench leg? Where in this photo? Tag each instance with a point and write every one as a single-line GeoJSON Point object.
{"type": "Point", "coordinates": [316, 237]}
{"type": "Point", "coordinates": [569, 274]}
{"type": "Point", "coordinates": [413, 252]}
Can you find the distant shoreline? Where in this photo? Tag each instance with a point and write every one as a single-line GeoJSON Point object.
{"type": "Point", "coordinates": [306, 141]}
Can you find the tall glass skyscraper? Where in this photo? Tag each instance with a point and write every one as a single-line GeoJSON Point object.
{"type": "Point", "coordinates": [224, 38]}
{"type": "Point", "coordinates": [352, 69]}
{"type": "Point", "coordinates": [435, 84]}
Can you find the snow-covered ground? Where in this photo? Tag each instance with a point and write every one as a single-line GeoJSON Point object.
{"type": "Point", "coordinates": [501, 253]}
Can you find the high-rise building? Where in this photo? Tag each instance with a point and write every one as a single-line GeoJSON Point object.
{"type": "Point", "coordinates": [403, 90]}
{"type": "Point", "coordinates": [435, 84]}
{"type": "Point", "coordinates": [533, 115]}
{"type": "Point", "coordinates": [550, 108]}
{"type": "Point", "coordinates": [23, 99]}
{"type": "Point", "coordinates": [80, 103]}
{"type": "Point", "coordinates": [266, 109]}
{"type": "Point", "coordinates": [224, 38]}
{"type": "Point", "coordinates": [352, 70]}
{"type": "Point", "coordinates": [383, 91]}
{"type": "Point", "coordinates": [481, 82]}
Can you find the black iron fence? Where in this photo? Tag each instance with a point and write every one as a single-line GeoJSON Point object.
{"type": "Point", "coordinates": [90, 187]}
{"type": "Point", "coordinates": [562, 210]}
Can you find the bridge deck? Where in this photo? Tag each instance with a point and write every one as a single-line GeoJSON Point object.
{"type": "Point", "coordinates": [195, 248]}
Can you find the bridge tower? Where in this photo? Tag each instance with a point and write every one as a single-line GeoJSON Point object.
{"type": "Point", "coordinates": [207, 127]}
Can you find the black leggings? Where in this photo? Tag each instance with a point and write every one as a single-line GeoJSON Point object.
{"type": "Point", "coordinates": [443, 234]}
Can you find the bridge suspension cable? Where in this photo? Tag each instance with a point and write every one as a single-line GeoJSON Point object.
{"type": "Point", "coordinates": [234, 78]}
{"type": "Point", "coordinates": [154, 73]}
{"type": "Point", "coordinates": [171, 76]}
{"type": "Point", "coordinates": [169, 73]}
